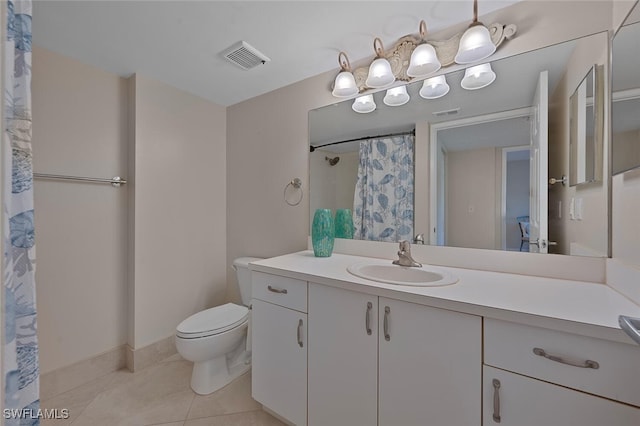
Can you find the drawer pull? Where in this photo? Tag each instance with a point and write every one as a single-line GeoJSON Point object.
{"type": "Point", "coordinates": [496, 400]}
{"type": "Point", "coordinates": [586, 364]}
{"type": "Point", "coordinates": [368, 318]}
{"type": "Point", "coordinates": [299, 334]}
{"type": "Point", "coordinates": [277, 290]}
{"type": "Point", "coordinates": [387, 311]}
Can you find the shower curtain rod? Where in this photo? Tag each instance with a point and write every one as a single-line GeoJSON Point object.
{"type": "Point", "coordinates": [410, 132]}
{"type": "Point", "coordinates": [116, 181]}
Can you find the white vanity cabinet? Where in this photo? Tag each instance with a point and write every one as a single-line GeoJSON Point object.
{"type": "Point", "coordinates": [514, 400]}
{"type": "Point", "coordinates": [279, 345]}
{"type": "Point", "coordinates": [535, 376]}
{"type": "Point", "coordinates": [430, 365]}
{"type": "Point", "coordinates": [379, 361]}
{"type": "Point", "coordinates": [343, 357]}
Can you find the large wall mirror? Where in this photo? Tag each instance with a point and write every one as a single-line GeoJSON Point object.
{"type": "Point", "coordinates": [625, 109]}
{"type": "Point", "coordinates": [480, 165]}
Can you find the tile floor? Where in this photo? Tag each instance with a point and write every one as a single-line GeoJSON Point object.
{"type": "Point", "coordinates": [158, 395]}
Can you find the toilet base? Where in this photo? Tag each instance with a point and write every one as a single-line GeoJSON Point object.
{"type": "Point", "coordinates": [212, 375]}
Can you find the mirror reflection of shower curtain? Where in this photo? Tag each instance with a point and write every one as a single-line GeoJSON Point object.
{"type": "Point", "coordinates": [383, 199]}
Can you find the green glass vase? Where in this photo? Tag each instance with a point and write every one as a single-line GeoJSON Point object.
{"type": "Point", "coordinates": [344, 224]}
{"type": "Point", "coordinates": [322, 233]}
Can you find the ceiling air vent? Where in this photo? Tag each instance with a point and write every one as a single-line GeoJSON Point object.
{"type": "Point", "coordinates": [245, 56]}
{"type": "Point", "coordinates": [446, 112]}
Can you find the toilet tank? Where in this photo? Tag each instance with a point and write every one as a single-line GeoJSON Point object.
{"type": "Point", "coordinates": [241, 265]}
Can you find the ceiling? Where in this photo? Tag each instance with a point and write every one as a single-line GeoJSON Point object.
{"type": "Point", "coordinates": [179, 42]}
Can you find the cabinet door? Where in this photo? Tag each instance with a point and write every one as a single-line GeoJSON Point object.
{"type": "Point", "coordinates": [343, 345]}
{"type": "Point", "coordinates": [279, 360]}
{"type": "Point", "coordinates": [517, 400]}
{"type": "Point", "coordinates": [430, 366]}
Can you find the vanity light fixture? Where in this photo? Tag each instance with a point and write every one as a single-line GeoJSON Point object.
{"type": "Point", "coordinates": [475, 44]}
{"type": "Point", "coordinates": [424, 60]}
{"type": "Point", "coordinates": [364, 104]}
{"type": "Point", "coordinates": [380, 73]}
{"type": "Point", "coordinates": [434, 87]}
{"type": "Point", "coordinates": [478, 76]}
{"type": "Point", "coordinates": [396, 96]}
{"type": "Point", "coordinates": [345, 84]}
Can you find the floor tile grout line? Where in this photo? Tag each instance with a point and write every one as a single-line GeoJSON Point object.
{"type": "Point", "coordinates": [82, 384]}
{"type": "Point", "coordinates": [193, 398]}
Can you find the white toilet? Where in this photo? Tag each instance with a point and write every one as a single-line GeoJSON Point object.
{"type": "Point", "coordinates": [215, 339]}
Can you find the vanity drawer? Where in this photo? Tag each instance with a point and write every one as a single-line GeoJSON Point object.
{"type": "Point", "coordinates": [283, 291]}
{"type": "Point", "coordinates": [547, 354]}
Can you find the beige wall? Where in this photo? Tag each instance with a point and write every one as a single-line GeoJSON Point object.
{"type": "Point", "coordinates": [471, 198]}
{"type": "Point", "coordinates": [176, 197]}
{"type": "Point", "coordinates": [590, 233]}
{"type": "Point", "coordinates": [626, 228]}
{"type": "Point", "coordinates": [626, 151]}
{"type": "Point", "coordinates": [178, 209]}
{"type": "Point", "coordinates": [79, 128]}
{"type": "Point", "coordinates": [268, 146]}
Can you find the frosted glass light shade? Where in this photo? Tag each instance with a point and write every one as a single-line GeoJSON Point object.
{"type": "Point", "coordinates": [380, 74]}
{"type": "Point", "coordinates": [364, 104]}
{"type": "Point", "coordinates": [434, 88]}
{"type": "Point", "coordinates": [396, 96]}
{"type": "Point", "coordinates": [475, 45]}
{"type": "Point", "coordinates": [478, 77]}
{"type": "Point", "coordinates": [345, 85]}
{"type": "Point", "coordinates": [424, 61]}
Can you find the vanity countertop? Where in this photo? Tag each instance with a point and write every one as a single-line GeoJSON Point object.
{"type": "Point", "coordinates": [589, 309]}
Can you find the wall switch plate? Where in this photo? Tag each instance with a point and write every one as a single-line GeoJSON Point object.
{"type": "Point", "coordinates": [578, 209]}
{"type": "Point", "coordinates": [572, 209]}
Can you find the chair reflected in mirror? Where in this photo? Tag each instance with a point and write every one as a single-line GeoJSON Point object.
{"type": "Point", "coordinates": [523, 223]}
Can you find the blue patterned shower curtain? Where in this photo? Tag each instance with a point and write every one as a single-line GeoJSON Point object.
{"type": "Point", "coordinates": [383, 199]}
{"type": "Point", "coordinates": [20, 346]}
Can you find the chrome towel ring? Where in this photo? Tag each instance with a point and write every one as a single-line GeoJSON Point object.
{"type": "Point", "coordinates": [296, 183]}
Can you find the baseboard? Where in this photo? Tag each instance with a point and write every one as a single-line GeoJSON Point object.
{"type": "Point", "coordinates": [66, 378]}
{"type": "Point", "coordinates": [137, 359]}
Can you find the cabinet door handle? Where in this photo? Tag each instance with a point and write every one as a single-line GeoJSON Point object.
{"type": "Point", "coordinates": [496, 400]}
{"type": "Point", "coordinates": [368, 318]}
{"type": "Point", "coordinates": [277, 290]}
{"type": "Point", "coordinates": [387, 311]}
{"type": "Point", "coordinates": [586, 364]}
{"type": "Point", "coordinates": [299, 334]}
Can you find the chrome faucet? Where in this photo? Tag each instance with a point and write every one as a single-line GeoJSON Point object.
{"type": "Point", "coordinates": [404, 256]}
{"type": "Point", "coordinates": [418, 239]}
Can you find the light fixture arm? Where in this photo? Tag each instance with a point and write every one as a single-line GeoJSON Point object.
{"type": "Point", "coordinates": [378, 47]}
{"type": "Point", "coordinates": [423, 30]}
{"type": "Point", "coordinates": [345, 65]}
{"type": "Point", "coordinates": [475, 12]}
{"type": "Point", "coordinates": [475, 21]}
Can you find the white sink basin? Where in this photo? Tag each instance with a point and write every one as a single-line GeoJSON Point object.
{"type": "Point", "coordinates": [402, 275]}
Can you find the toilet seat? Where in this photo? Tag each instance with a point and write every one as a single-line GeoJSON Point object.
{"type": "Point", "coordinates": [212, 321]}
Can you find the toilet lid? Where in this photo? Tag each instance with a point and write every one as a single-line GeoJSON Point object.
{"type": "Point", "coordinates": [213, 321]}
